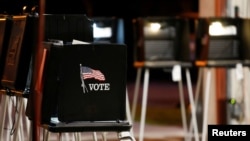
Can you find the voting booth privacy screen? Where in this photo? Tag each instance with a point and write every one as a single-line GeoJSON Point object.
{"type": "Point", "coordinates": [92, 77]}
{"type": "Point", "coordinates": [2, 48]}
{"type": "Point", "coordinates": [20, 38]}
{"type": "Point", "coordinates": [161, 39]}
{"type": "Point", "coordinates": [108, 30]}
{"type": "Point", "coordinates": [222, 38]}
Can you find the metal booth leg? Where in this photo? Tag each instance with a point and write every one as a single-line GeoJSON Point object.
{"type": "Point", "coordinates": [4, 104]}
{"type": "Point", "coordinates": [193, 106]}
{"type": "Point", "coordinates": [205, 113]}
{"type": "Point", "coordinates": [197, 93]}
{"type": "Point", "coordinates": [128, 112]}
{"type": "Point", "coordinates": [136, 92]}
{"type": "Point", "coordinates": [183, 110]}
{"type": "Point", "coordinates": [144, 104]}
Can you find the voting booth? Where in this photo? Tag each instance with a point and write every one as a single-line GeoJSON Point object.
{"type": "Point", "coordinates": [108, 30]}
{"type": "Point", "coordinates": [161, 39]}
{"type": "Point", "coordinates": [162, 43]}
{"type": "Point", "coordinates": [221, 41]}
{"type": "Point", "coordinates": [20, 41]}
{"type": "Point", "coordinates": [83, 91]}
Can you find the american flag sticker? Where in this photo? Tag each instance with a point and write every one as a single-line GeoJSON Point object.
{"type": "Point", "coordinates": [89, 73]}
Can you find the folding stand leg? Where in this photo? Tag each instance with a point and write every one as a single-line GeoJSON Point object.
{"type": "Point", "coordinates": [95, 136]}
{"type": "Point", "coordinates": [136, 92]}
{"type": "Point", "coordinates": [205, 114]}
{"type": "Point", "coordinates": [10, 117]}
{"type": "Point", "coordinates": [63, 136]}
{"type": "Point", "coordinates": [183, 111]}
{"type": "Point", "coordinates": [144, 104]}
{"type": "Point", "coordinates": [104, 136]}
{"type": "Point", "coordinates": [60, 136]}
{"type": "Point", "coordinates": [45, 135]}
{"type": "Point", "coordinates": [26, 120]}
{"type": "Point", "coordinates": [125, 136]}
{"type": "Point", "coordinates": [7, 108]}
{"type": "Point", "coordinates": [67, 136]}
{"type": "Point", "coordinates": [4, 102]}
{"type": "Point", "coordinates": [197, 93]}
{"type": "Point", "coordinates": [193, 108]}
{"type": "Point", "coordinates": [30, 130]}
{"type": "Point", "coordinates": [77, 136]}
{"type": "Point", "coordinates": [70, 136]}
{"type": "Point", "coordinates": [18, 124]}
{"type": "Point", "coordinates": [128, 112]}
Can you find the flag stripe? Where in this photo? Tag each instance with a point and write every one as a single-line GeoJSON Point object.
{"type": "Point", "coordinates": [91, 73]}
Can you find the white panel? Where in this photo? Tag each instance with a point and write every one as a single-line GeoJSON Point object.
{"type": "Point", "coordinates": [212, 96]}
{"type": "Point", "coordinates": [237, 89]}
{"type": "Point", "coordinates": [246, 94]}
{"type": "Point", "coordinates": [243, 6]}
{"type": "Point", "coordinates": [206, 8]}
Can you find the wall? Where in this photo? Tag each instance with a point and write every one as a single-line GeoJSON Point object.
{"type": "Point", "coordinates": [239, 88]}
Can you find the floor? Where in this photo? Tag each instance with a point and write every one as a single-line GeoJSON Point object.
{"type": "Point", "coordinates": [160, 132]}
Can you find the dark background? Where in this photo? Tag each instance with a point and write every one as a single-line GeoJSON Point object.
{"type": "Point", "coordinates": [126, 9]}
{"type": "Point", "coordinates": [122, 8]}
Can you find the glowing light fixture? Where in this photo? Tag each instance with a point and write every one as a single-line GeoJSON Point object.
{"type": "Point", "coordinates": [102, 32]}
{"type": "Point", "coordinates": [217, 29]}
{"type": "Point", "coordinates": [155, 27]}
